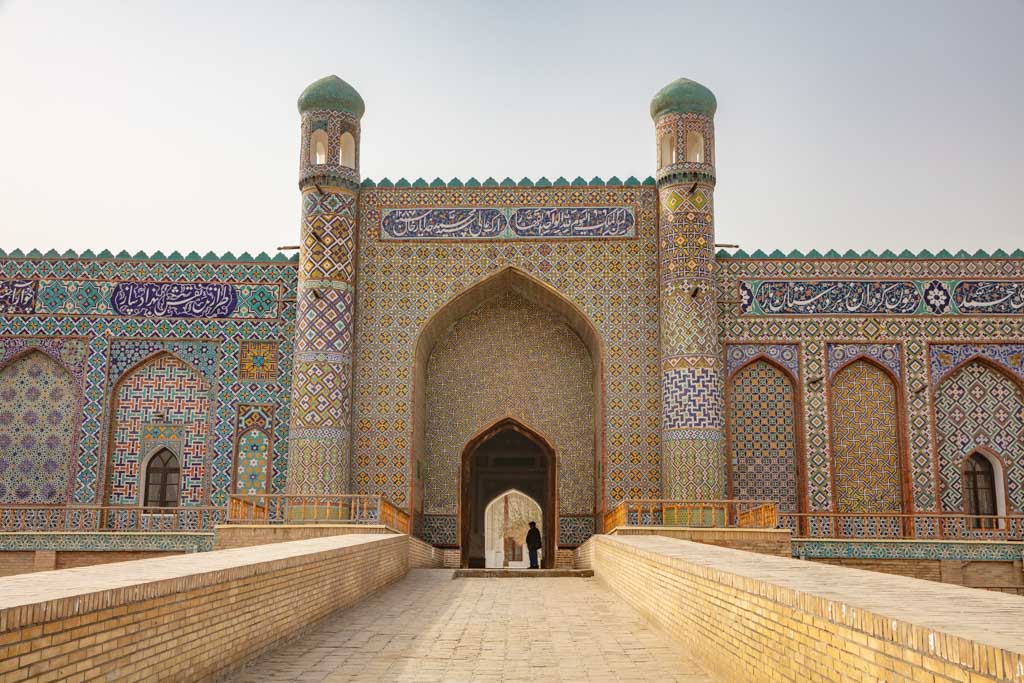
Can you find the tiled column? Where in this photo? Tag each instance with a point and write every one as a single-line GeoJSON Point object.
{"type": "Point", "coordinates": [320, 438]}
{"type": "Point", "coordinates": [692, 431]}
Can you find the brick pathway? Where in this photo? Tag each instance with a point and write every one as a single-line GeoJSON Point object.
{"type": "Point", "coordinates": [429, 627]}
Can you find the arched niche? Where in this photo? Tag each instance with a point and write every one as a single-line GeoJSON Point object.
{"type": "Point", "coordinates": [318, 147]}
{"type": "Point", "coordinates": [506, 522]}
{"type": "Point", "coordinates": [506, 282]}
{"type": "Point", "coordinates": [347, 150]}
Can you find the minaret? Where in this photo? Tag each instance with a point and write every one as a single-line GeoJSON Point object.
{"type": "Point", "coordinates": [320, 438]}
{"type": "Point", "coordinates": [692, 425]}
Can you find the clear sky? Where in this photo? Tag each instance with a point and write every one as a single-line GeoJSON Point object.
{"type": "Point", "coordinates": [172, 125]}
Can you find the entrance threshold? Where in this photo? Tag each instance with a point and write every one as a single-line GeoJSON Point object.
{"type": "Point", "coordinates": [522, 573]}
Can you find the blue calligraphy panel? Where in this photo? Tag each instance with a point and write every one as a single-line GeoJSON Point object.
{"type": "Point", "coordinates": [443, 223]}
{"type": "Point", "coordinates": [843, 297]}
{"type": "Point", "coordinates": [615, 221]}
{"type": "Point", "coordinates": [508, 223]}
{"type": "Point", "coordinates": [17, 296]}
{"type": "Point", "coordinates": [174, 299]}
{"type": "Point", "coordinates": [991, 297]}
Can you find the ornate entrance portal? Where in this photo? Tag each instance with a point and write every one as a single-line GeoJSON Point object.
{"type": "Point", "coordinates": [506, 456]}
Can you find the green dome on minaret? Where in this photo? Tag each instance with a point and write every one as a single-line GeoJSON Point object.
{"type": "Point", "coordinates": [333, 94]}
{"type": "Point", "coordinates": [683, 96]}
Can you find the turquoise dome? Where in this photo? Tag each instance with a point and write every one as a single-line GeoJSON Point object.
{"type": "Point", "coordinates": [333, 94]}
{"type": "Point", "coordinates": [683, 96]}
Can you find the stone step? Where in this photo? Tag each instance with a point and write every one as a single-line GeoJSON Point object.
{"type": "Point", "coordinates": [522, 573]}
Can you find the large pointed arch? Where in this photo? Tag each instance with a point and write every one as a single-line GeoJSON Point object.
{"type": "Point", "coordinates": [438, 325]}
{"type": "Point", "coordinates": [544, 446]}
{"type": "Point", "coordinates": [160, 392]}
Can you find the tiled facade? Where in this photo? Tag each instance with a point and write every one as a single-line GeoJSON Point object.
{"type": "Point", "coordinates": [604, 318]}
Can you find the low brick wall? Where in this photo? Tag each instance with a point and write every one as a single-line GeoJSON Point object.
{"type": "Point", "coordinates": [768, 541]}
{"type": "Point", "coordinates": [248, 535]}
{"type": "Point", "coordinates": [751, 617]}
{"type": "Point", "coordinates": [184, 618]}
{"type": "Point", "coordinates": [422, 555]}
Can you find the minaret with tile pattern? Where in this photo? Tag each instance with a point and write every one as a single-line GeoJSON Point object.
{"type": "Point", "coordinates": [692, 424]}
{"type": "Point", "coordinates": [320, 435]}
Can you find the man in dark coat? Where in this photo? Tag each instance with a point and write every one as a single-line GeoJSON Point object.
{"type": "Point", "coordinates": [533, 544]}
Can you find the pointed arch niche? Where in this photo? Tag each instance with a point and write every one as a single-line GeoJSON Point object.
{"type": "Point", "coordinates": [869, 473]}
{"type": "Point", "coordinates": [763, 433]}
{"type": "Point", "coordinates": [40, 414]}
{"type": "Point", "coordinates": [979, 410]}
{"type": "Point", "coordinates": [160, 403]}
{"type": "Point", "coordinates": [509, 345]}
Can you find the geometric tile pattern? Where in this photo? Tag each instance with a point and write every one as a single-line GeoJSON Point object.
{"type": "Point", "coordinates": [908, 550]}
{"type": "Point", "coordinates": [107, 541]}
{"type": "Point", "coordinates": [762, 436]}
{"type": "Point", "coordinates": [39, 412]}
{"type": "Point", "coordinates": [865, 440]}
{"type": "Point", "coordinates": [254, 428]}
{"type": "Point", "coordinates": [692, 399]}
{"type": "Point", "coordinates": [168, 390]}
{"type": "Point", "coordinates": [257, 361]}
{"type": "Point", "coordinates": [467, 391]}
{"type": "Point", "coordinates": [976, 407]}
{"type": "Point", "coordinates": [319, 441]}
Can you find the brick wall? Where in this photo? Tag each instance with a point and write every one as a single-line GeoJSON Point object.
{"type": "Point", "coordinates": [1004, 576]}
{"type": "Point", "coordinates": [190, 617]}
{"type": "Point", "coordinates": [422, 555]}
{"type": "Point", "coordinates": [768, 541]}
{"type": "Point", "coordinates": [17, 562]}
{"type": "Point", "coordinates": [751, 617]}
{"type": "Point", "coordinates": [244, 535]}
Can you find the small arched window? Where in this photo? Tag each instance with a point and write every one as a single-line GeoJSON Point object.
{"type": "Point", "coordinates": [667, 149]}
{"type": "Point", "coordinates": [348, 150]}
{"type": "Point", "coordinates": [318, 147]}
{"type": "Point", "coordinates": [980, 489]}
{"type": "Point", "coordinates": [694, 146]}
{"type": "Point", "coordinates": [162, 478]}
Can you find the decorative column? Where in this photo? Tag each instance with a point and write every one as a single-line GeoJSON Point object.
{"type": "Point", "coordinates": [320, 436]}
{"type": "Point", "coordinates": [692, 422]}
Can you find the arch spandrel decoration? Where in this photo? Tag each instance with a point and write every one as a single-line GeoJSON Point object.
{"type": "Point", "coordinates": [495, 345]}
{"type": "Point", "coordinates": [979, 406]}
{"type": "Point", "coordinates": [39, 421]}
{"type": "Point", "coordinates": [162, 401]}
{"type": "Point", "coordinates": [864, 412]}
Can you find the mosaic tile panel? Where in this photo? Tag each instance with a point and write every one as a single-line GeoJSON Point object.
{"type": "Point", "coordinates": [254, 427]}
{"type": "Point", "coordinates": [979, 407]}
{"type": "Point", "coordinates": [546, 383]}
{"type": "Point", "coordinates": [257, 361]}
{"type": "Point", "coordinates": [573, 531]}
{"type": "Point", "coordinates": [944, 358]}
{"type": "Point", "coordinates": [107, 541]}
{"type": "Point", "coordinates": [908, 550]}
{"type": "Point", "coordinates": [458, 223]}
{"type": "Point", "coordinates": [162, 389]}
{"type": "Point", "coordinates": [762, 436]}
{"type": "Point", "coordinates": [865, 440]}
{"type": "Point", "coordinates": [39, 412]}
{"type": "Point", "coordinates": [786, 355]}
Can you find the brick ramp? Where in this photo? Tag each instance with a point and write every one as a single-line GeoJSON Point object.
{"type": "Point", "coordinates": [752, 617]}
{"type": "Point", "coordinates": [522, 573]}
{"type": "Point", "coordinates": [428, 627]}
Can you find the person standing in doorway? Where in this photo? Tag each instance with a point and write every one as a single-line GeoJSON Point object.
{"type": "Point", "coordinates": [533, 544]}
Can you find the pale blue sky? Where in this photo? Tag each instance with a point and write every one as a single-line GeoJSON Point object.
{"type": "Point", "coordinates": [172, 126]}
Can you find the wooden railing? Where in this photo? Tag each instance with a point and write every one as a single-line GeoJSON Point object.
{"type": "Point", "coordinates": [759, 514]}
{"type": "Point", "coordinates": [315, 509]}
{"type": "Point", "coordinates": [110, 518]}
{"type": "Point", "coordinates": [921, 526]}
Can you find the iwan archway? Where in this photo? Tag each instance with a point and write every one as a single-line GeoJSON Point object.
{"type": "Point", "coordinates": [506, 455]}
{"type": "Point", "coordinates": [509, 347]}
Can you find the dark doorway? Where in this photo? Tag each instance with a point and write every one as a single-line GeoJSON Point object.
{"type": "Point", "coordinates": [506, 456]}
